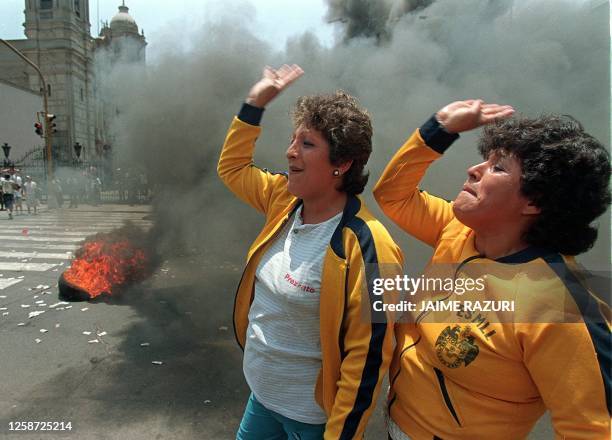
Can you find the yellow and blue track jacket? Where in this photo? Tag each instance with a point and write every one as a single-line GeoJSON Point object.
{"type": "Point", "coordinates": [356, 350]}
{"type": "Point", "coordinates": [472, 374]}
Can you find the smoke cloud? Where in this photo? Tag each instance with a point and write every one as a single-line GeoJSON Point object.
{"type": "Point", "coordinates": [402, 59]}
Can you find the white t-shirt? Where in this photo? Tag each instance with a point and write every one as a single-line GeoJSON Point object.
{"type": "Point", "coordinates": [282, 356]}
{"type": "Point", "coordinates": [7, 186]}
{"type": "Point", "coordinates": [30, 189]}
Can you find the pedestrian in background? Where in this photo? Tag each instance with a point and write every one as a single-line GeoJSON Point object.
{"type": "Point", "coordinates": [8, 190]}
{"type": "Point", "coordinates": [30, 190]}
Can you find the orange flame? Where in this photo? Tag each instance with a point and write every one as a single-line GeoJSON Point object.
{"type": "Point", "coordinates": [101, 266]}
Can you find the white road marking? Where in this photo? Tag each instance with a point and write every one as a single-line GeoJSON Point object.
{"type": "Point", "coordinates": [8, 282]}
{"type": "Point", "coordinates": [53, 256]}
{"type": "Point", "coordinates": [26, 267]}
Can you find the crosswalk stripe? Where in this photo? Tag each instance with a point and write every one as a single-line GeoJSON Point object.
{"type": "Point", "coordinates": [33, 246]}
{"type": "Point", "coordinates": [26, 267]}
{"type": "Point", "coordinates": [20, 233]}
{"type": "Point", "coordinates": [55, 228]}
{"type": "Point", "coordinates": [54, 256]}
{"type": "Point", "coordinates": [84, 222]}
{"type": "Point", "coordinates": [8, 282]}
{"type": "Point", "coordinates": [21, 238]}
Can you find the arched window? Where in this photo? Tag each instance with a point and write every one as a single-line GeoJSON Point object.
{"type": "Point", "coordinates": [77, 7]}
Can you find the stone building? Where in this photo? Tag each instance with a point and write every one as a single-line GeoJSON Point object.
{"type": "Point", "coordinates": [59, 41]}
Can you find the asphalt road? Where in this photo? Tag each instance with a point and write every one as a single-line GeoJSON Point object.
{"type": "Point", "coordinates": [95, 364]}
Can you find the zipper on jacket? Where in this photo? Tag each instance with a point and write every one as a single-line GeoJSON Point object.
{"type": "Point", "coordinates": [341, 336]}
{"type": "Point", "coordinates": [446, 396]}
{"type": "Point", "coordinates": [234, 309]}
{"type": "Point", "coordinates": [242, 277]}
{"type": "Point", "coordinates": [392, 381]}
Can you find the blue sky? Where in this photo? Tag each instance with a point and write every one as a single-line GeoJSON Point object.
{"type": "Point", "coordinates": [272, 20]}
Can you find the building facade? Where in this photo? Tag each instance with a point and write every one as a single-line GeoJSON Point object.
{"type": "Point", "coordinates": [59, 41]}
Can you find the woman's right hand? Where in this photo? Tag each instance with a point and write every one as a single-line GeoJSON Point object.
{"type": "Point", "coordinates": [461, 116]}
{"type": "Point", "coordinates": [272, 83]}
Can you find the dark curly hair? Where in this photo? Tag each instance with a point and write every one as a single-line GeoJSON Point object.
{"type": "Point", "coordinates": [347, 128]}
{"type": "Point", "coordinates": [565, 172]}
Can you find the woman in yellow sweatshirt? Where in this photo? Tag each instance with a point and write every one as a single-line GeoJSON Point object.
{"type": "Point", "coordinates": [468, 371]}
{"type": "Point", "coordinates": [314, 351]}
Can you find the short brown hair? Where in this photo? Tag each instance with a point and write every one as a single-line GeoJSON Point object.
{"type": "Point", "coordinates": [347, 128]}
{"type": "Point", "coordinates": [565, 172]}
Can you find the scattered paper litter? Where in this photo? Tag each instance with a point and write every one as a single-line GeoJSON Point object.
{"type": "Point", "coordinates": [93, 341]}
{"type": "Point", "coordinates": [87, 333]}
{"type": "Point", "coordinates": [207, 401]}
{"type": "Point", "coordinates": [39, 301]}
{"type": "Point", "coordinates": [2, 296]}
{"type": "Point", "coordinates": [61, 303]}
{"type": "Point", "coordinates": [3, 308]}
{"type": "Point", "coordinates": [21, 324]}
{"type": "Point", "coordinates": [68, 307]}
{"type": "Point", "coordinates": [57, 325]}
{"type": "Point", "coordinates": [25, 306]}
{"type": "Point", "coordinates": [43, 330]}
{"type": "Point", "coordinates": [42, 305]}
{"type": "Point", "coordinates": [21, 277]}
{"type": "Point", "coordinates": [144, 344]}
{"type": "Point", "coordinates": [157, 362]}
{"type": "Point", "coordinates": [40, 286]}
{"type": "Point", "coordinates": [38, 341]}
{"type": "Point", "coordinates": [35, 296]}
{"type": "Point", "coordinates": [223, 328]}
{"type": "Point", "coordinates": [33, 314]}
{"type": "Point", "coordinates": [102, 334]}
{"type": "Point", "coordinates": [5, 313]}
{"type": "Point", "coordinates": [84, 309]}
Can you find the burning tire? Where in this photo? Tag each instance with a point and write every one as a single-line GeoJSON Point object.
{"type": "Point", "coordinates": [104, 265]}
{"type": "Point", "coordinates": [70, 292]}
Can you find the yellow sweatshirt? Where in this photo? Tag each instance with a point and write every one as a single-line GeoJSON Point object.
{"type": "Point", "coordinates": [356, 349]}
{"type": "Point", "coordinates": [491, 375]}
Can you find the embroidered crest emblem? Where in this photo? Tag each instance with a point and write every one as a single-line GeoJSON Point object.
{"type": "Point", "coordinates": [456, 345]}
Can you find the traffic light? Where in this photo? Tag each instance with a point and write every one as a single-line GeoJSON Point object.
{"type": "Point", "coordinates": [38, 129]}
{"type": "Point", "coordinates": [50, 124]}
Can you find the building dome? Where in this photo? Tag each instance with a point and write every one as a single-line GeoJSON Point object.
{"type": "Point", "coordinates": [123, 21]}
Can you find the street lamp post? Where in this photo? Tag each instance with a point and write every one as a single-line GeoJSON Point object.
{"type": "Point", "coordinates": [48, 129]}
{"type": "Point", "coordinates": [77, 150]}
{"type": "Point", "coordinates": [7, 151]}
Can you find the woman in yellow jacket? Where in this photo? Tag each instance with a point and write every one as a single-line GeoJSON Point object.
{"type": "Point", "coordinates": [315, 352]}
{"type": "Point", "coordinates": [479, 372]}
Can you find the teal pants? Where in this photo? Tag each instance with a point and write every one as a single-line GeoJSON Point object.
{"type": "Point", "coordinates": [259, 423]}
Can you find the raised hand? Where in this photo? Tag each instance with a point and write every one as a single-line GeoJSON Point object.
{"type": "Point", "coordinates": [272, 83]}
{"type": "Point", "coordinates": [461, 116]}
